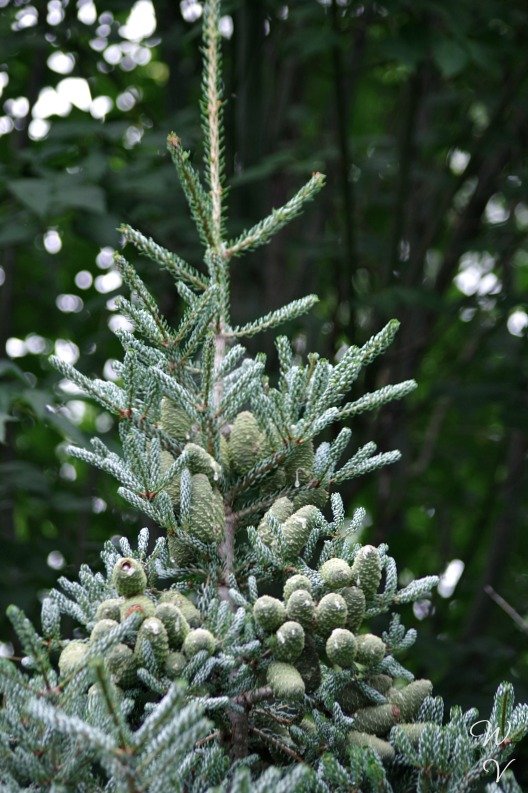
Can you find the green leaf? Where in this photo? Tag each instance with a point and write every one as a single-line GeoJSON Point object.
{"type": "Point", "coordinates": [38, 401]}
{"type": "Point", "coordinates": [449, 57]}
{"type": "Point", "coordinates": [36, 194]}
{"type": "Point", "coordinates": [45, 197]}
{"type": "Point", "coordinates": [81, 196]}
{"type": "Point", "coordinates": [17, 231]}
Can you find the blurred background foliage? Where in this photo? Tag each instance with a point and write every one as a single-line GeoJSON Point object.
{"type": "Point", "coordinates": [418, 113]}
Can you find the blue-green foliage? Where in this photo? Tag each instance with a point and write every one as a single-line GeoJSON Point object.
{"type": "Point", "coordinates": [79, 729]}
{"type": "Point", "coordinates": [235, 654]}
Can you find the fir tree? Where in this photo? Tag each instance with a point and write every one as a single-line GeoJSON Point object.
{"type": "Point", "coordinates": [235, 655]}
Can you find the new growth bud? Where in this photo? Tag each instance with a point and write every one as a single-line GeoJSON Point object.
{"type": "Point", "coordinates": [297, 528]}
{"type": "Point", "coordinates": [101, 628]}
{"type": "Point", "coordinates": [414, 731]}
{"type": "Point", "coordinates": [294, 583]}
{"type": "Point", "coordinates": [186, 606]}
{"type": "Point", "coordinates": [289, 641]}
{"type": "Point", "coordinates": [301, 607]}
{"type": "Point", "coordinates": [245, 443]}
{"type": "Point", "coordinates": [269, 612]}
{"type": "Point", "coordinates": [201, 462]}
{"type": "Point", "coordinates": [128, 577]}
{"type": "Point", "coordinates": [285, 681]}
{"type": "Point", "coordinates": [109, 609]}
{"type": "Point", "coordinates": [175, 623]}
{"type": "Point", "coordinates": [376, 719]}
{"type": "Point", "coordinates": [122, 665]}
{"type": "Point", "coordinates": [140, 604]}
{"type": "Point", "coordinates": [299, 463]}
{"type": "Point", "coordinates": [206, 518]}
{"type": "Point", "coordinates": [175, 664]}
{"type": "Point", "coordinates": [152, 633]}
{"type": "Point", "coordinates": [370, 649]}
{"type": "Point", "coordinates": [366, 570]}
{"type": "Point", "coordinates": [355, 599]}
{"type": "Point", "coordinates": [336, 573]}
{"type": "Point", "coordinates": [281, 509]}
{"type": "Point", "coordinates": [331, 613]}
{"type": "Point", "coordinates": [72, 657]}
{"type": "Point", "coordinates": [341, 647]}
{"type": "Point", "coordinates": [382, 748]}
{"type": "Point", "coordinates": [174, 420]}
{"type": "Point", "coordinates": [410, 698]}
{"type": "Point", "coordinates": [198, 640]}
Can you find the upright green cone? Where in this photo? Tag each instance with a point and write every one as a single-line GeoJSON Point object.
{"type": "Point", "coordinates": [246, 443]}
{"type": "Point", "coordinates": [174, 420]}
{"type": "Point", "coordinates": [366, 570]}
{"type": "Point", "coordinates": [129, 577]}
{"type": "Point", "coordinates": [285, 681]}
{"type": "Point", "coordinates": [206, 518]}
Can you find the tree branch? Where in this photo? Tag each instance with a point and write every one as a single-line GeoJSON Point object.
{"type": "Point", "coordinates": [226, 551]}
{"type": "Point", "coordinates": [505, 606]}
{"type": "Point", "coordinates": [213, 115]}
{"type": "Point", "coordinates": [503, 530]}
{"type": "Point", "coordinates": [277, 744]}
{"type": "Point", "coordinates": [407, 147]}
